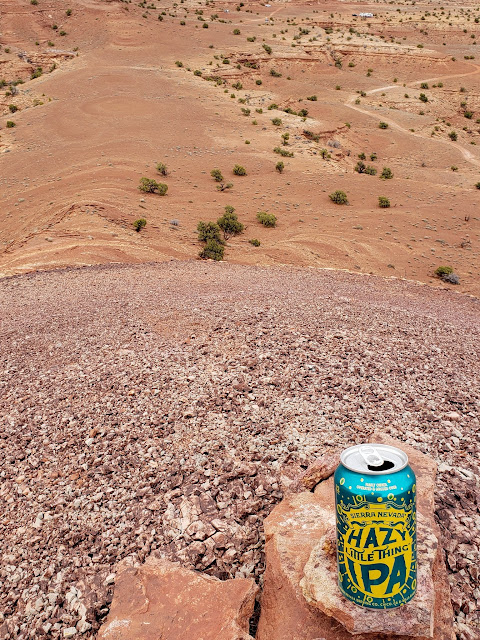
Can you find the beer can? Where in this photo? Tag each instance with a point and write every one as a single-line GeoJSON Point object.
{"type": "Point", "coordinates": [375, 500]}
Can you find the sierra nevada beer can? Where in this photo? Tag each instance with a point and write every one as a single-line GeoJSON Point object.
{"type": "Point", "coordinates": [375, 499]}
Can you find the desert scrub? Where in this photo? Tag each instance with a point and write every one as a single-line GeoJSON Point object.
{"type": "Point", "coordinates": [280, 167]}
{"type": "Point", "coordinates": [446, 274]}
{"type": "Point", "coordinates": [386, 174]}
{"type": "Point", "coordinates": [383, 202]}
{"type": "Point", "coordinates": [209, 231]}
{"type": "Point", "coordinates": [339, 197]}
{"type": "Point", "coordinates": [148, 185]}
{"type": "Point", "coordinates": [139, 224]}
{"type": "Point", "coordinates": [238, 170]}
{"type": "Point", "coordinates": [212, 250]}
{"type": "Point", "coordinates": [383, 125]}
{"type": "Point", "coordinates": [10, 124]}
{"type": "Point", "coordinates": [162, 168]}
{"type": "Point", "coordinates": [283, 152]}
{"type": "Point", "coordinates": [229, 223]}
{"type": "Point", "coordinates": [267, 219]}
{"type": "Point", "coordinates": [12, 108]}
{"type": "Point", "coordinates": [277, 122]}
{"type": "Point", "coordinates": [254, 242]}
{"type": "Point", "coordinates": [453, 136]}
{"type": "Point", "coordinates": [217, 175]}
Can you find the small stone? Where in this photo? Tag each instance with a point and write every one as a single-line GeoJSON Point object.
{"type": "Point", "coordinates": [69, 632]}
{"type": "Point", "coordinates": [110, 579]}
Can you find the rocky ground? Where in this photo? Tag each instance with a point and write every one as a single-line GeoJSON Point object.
{"type": "Point", "coordinates": [164, 409]}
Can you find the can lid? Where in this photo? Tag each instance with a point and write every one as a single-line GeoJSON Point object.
{"type": "Point", "coordinates": [374, 458]}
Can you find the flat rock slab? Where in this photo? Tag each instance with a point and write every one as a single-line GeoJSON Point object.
{"type": "Point", "coordinates": [162, 601]}
{"type": "Point", "coordinates": [319, 586]}
{"type": "Point", "coordinates": [297, 525]}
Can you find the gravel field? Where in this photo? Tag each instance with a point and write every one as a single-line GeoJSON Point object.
{"type": "Point", "coordinates": [164, 408]}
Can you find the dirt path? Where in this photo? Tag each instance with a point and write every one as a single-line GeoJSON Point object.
{"type": "Point", "coordinates": [467, 155]}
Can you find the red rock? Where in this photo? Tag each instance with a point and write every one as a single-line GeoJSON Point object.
{"type": "Point", "coordinates": [160, 599]}
{"type": "Point", "coordinates": [319, 470]}
{"type": "Point", "coordinates": [296, 526]}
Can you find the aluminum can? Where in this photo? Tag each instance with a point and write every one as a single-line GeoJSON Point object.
{"type": "Point", "coordinates": [375, 500]}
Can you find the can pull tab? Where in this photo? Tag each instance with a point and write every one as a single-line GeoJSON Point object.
{"type": "Point", "coordinates": [371, 456]}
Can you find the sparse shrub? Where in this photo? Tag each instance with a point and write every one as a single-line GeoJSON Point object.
{"type": "Point", "coordinates": [209, 231]}
{"type": "Point", "coordinates": [443, 271]}
{"type": "Point", "coordinates": [13, 108]}
{"type": "Point", "coordinates": [212, 250]}
{"type": "Point", "coordinates": [162, 168]}
{"type": "Point", "coordinates": [283, 152]}
{"type": "Point", "coordinates": [424, 85]}
{"type": "Point", "coordinates": [267, 48]}
{"type": "Point", "coordinates": [179, 63]}
{"type": "Point", "coordinates": [238, 170]}
{"type": "Point", "coordinates": [453, 136]}
{"type": "Point", "coordinates": [152, 186]}
{"type": "Point", "coordinates": [325, 154]}
{"type": "Point", "coordinates": [139, 224]}
{"type": "Point", "coordinates": [383, 125]}
{"type": "Point", "coordinates": [254, 242]}
{"type": "Point", "coordinates": [68, 12]}
{"type": "Point", "coordinates": [423, 97]}
{"type": "Point", "coordinates": [370, 171]}
{"type": "Point", "coordinates": [37, 73]}
{"type": "Point", "coordinates": [197, 72]}
{"type": "Point", "coordinates": [339, 197]}
{"type": "Point", "coordinates": [275, 74]}
{"type": "Point", "coordinates": [274, 105]}
{"type": "Point", "coordinates": [280, 167]}
{"type": "Point", "coordinates": [477, 185]}
{"type": "Point", "coordinates": [236, 32]}
{"type": "Point", "coordinates": [446, 274]}
{"type": "Point", "coordinates": [361, 156]}
{"type": "Point", "coordinates": [216, 175]}
{"type": "Point", "coordinates": [10, 124]}
{"type": "Point", "coordinates": [383, 202]}
{"type": "Point", "coordinates": [258, 82]}
{"type": "Point", "coordinates": [285, 138]}
{"type": "Point", "coordinates": [205, 26]}
{"type": "Point", "coordinates": [303, 113]}
{"type": "Point", "coordinates": [277, 122]}
{"type": "Point", "coordinates": [267, 219]}
{"type": "Point", "coordinates": [312, 98]}
{"type": "Point", "coordinates": [229, 223]}
{"type": "Point", "coordinates": [373, 156]}
{"type": "Point", "coordinates": [386, 174]}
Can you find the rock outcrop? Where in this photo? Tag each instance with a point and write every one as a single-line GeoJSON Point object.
{"type": "Point", "coordinates": [301, 527]}
{"type": "Point", "coordinates": [160, 599]}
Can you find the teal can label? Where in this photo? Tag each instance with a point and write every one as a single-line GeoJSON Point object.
{"type": "Point", "coordinates": [376, 529]}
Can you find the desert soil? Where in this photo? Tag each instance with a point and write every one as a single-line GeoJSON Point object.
{"type": "Point", "coordinates": [111, 102]}
{"type": "Point", "coordinates": [165, 408]}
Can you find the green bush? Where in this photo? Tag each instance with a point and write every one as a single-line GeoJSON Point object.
{"type": "Point", "coordinates": [339, 197]}
{"type": "Point", "coordinates": [280, 167]}
{"type": "Point", "coordinates": [267, 219]}
{"type": "Point", "coordinates": [477, 185]}
{"type": "Point", "coordinates": [267, 48]}
{"type": "Point", "coordinates": [383, 125]}
{"type": "Point", "coordinates": [216, 175]}
{"type": "Point", "coordinates": [238, 170]}
{"type": "Point", "coordinates": [179, 63]}
{"type": "Point", "coordinates": [152, 186]}
{"type": "Point", "coordinates": [229, 223]}
{"type": "Point", "coordinates": [162, 168]}
{"type": "Point", "coordinates": [312, 98]}
{"type": "Point", "coordinates": [386, 173]}
{"type": "Point", "coordinates": [212, 250]}
{"type": "Point", "coordinates": [285, 138]}
{"type": "Point", "coordinates": [37, 73]}
{"type": "Point", "coordinates": [209, 231]}
{"type": "Point", "coordinates": [255, 242]}
{"type": "Point", "coordinates": [277, 122]}
{"type": "Point", "coordinates": [275, 74]}
{"type": "Point", "coordinates": [453, 136]}
{"type": "Point", "coordinates": [443, 271]}
{"type": "Point", "coordinates": [13, 108]}
{"type": "Point", "coordinates": [139, 224]}
{"type": "Point", "coordinates": [236, 32]}
{"type": "Point", "coordinates": [205, 26]}
{"type": "Point", "coordinates": [10, 124]}
{"type": "Point", "coordinates": [423, 97]}
{"type": "Point", "coordinates": [283, 152]}
{"type": "Point", "coordinates": [383, 202]}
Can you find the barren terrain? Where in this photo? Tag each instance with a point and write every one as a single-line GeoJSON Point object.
{"type": "Point", "coordinates": [123, 86]}
{"type": "Point", "coordinates": [166, 408]}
